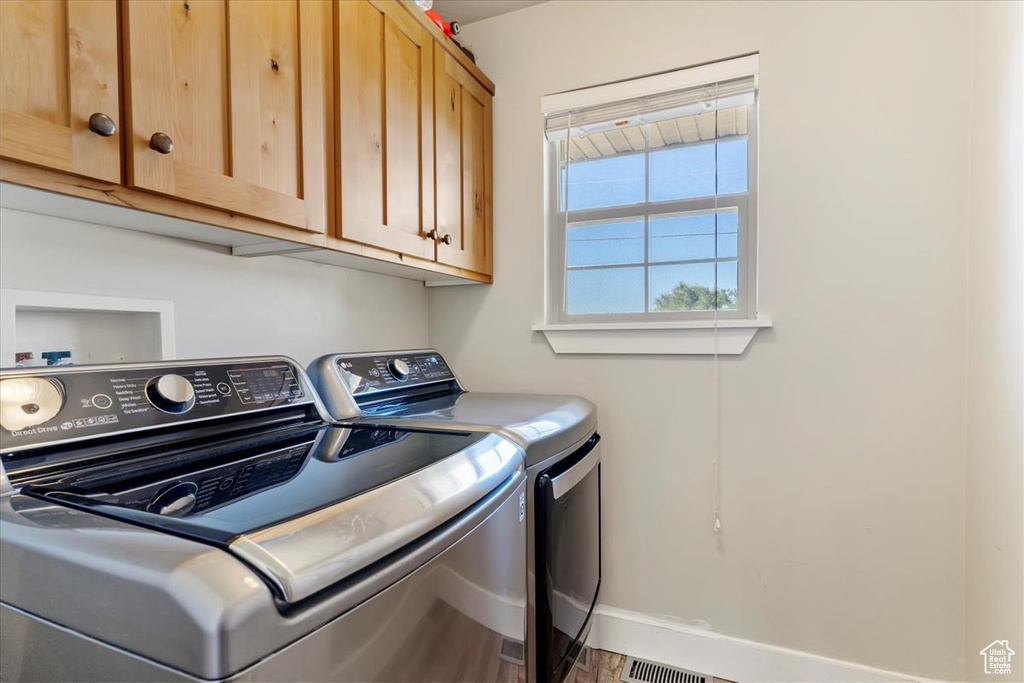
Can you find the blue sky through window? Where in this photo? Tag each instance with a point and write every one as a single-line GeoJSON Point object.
{"type": "Point", "coordinates": [620, 248]}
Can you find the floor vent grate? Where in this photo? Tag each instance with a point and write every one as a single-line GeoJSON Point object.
{"type": "Point", "coordinates": [641, 671]}
{"type": "Point", "coordinates": [513, 651]}
{"type": "Point", "coordinates": [583, 661]}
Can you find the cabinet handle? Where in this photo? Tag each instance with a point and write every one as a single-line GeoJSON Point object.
{"type": "Point", "coordinates": [161, 142]}
{"type": "Point", "coordinates": [102, 125]}
{"type": "Point", "coordinates": [453, 100]}
{"type": "Point", "coordinates": [447, 239]}
{"type": "Point", "coordinates": [433, 235]}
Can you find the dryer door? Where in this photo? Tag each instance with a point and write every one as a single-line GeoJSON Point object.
{"type": "Point", "coordinates": [568, 558]}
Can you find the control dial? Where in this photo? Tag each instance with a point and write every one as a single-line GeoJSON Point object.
{"type": "Point", "coordinates": [398, 368]}
{"type": "Point", "coordinates": [175, 500]}
{"type": "Point", "coordinates": [29, 401]}
{"type": "Point", "coordinates": [171, 393]}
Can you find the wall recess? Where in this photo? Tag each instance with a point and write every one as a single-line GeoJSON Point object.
{"type": "Point", "coordinates": [95, 329]}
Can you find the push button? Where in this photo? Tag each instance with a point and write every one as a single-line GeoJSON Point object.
{"type": "Point", "coordinates": [102, 401]}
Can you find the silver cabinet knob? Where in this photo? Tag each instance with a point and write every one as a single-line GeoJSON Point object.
{"type": "Point", "coordinates": [102, 125]}
{"type": "Point", "coordinates": [161, 142]}
{"type": "Point", "coordinates": [436, 236]}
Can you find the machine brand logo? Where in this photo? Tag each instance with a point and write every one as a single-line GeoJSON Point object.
{"type": "Point", "coordinates": [522, 506]}
{"type": "Point", "coordinates": [34, 430]}
{"type": "Point", "coordinates": [997, 657]}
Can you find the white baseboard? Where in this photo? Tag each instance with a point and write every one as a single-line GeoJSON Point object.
{"type": "Point", "coordinates": [662, 640]}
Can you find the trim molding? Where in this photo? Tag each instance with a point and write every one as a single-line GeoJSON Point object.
{"type": "Point", "coordinates": [670, 642]}
{"type": "Point", "coordinates": [698, 337]}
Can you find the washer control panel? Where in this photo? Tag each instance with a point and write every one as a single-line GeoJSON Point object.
{"type": "Point", "coordinates": [369, 374]}
{"type": "Point", "coordinates": [71, 403]}
{"type": "Point", "coordinates": [212, 488]}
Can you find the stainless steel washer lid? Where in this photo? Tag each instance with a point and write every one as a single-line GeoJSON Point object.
{"type": "Point", "coordinates": [310, 553]}
{"type": "Point", "coordinates": [305, 512]}
{"type": "Point", "coordinates": [542, 424]}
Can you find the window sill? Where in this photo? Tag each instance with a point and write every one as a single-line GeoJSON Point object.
{"type": "Point", "coordinates": [694, 337]}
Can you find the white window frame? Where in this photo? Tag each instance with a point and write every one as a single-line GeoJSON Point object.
{"type": "Point", "coordinates": [745, 204]}
{"type": "Point", "coordinates": [681, 332]}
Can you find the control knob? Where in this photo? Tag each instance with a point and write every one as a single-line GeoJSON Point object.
{"type": "Point", "coordinates": [29, 401]}
{"type": "Point", "coordinates": [398, 368]}
{"type": "Point", "coordinates": [171, 393]}
{"type": "Point", "coordinates": [175, 500]}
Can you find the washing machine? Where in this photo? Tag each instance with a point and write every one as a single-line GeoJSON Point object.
{"type": "Point", "coordinates": [419, 389]}
{"type": "Point", "coordinates": [201, 520]}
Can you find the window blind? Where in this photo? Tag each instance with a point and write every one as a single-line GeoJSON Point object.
{"type": "Point", "coordinates": [620, 115]}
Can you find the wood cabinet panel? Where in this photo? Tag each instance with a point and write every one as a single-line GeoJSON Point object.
{"type": "Point", "coordinates": [58, 67]}
{"type": "Point", "coordinates": [242, 89]}
{"type": "Point", "coordinates": [385, 105]}
{"type": "Point", "coordinates": [464, 157]}
{"type": "Point", "coordinates": [281, 116]}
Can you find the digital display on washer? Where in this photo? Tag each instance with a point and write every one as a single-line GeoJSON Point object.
{"type": "Point", "coordinates": [265, 384]}
{"type": "Point", "coordinates": [432, 366]}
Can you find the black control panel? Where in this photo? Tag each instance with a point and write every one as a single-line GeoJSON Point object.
{"type": "Point", "coordinates": [370, 374]}
{"type": "Point", "coordinates": [212, 488]}
{"type": "Point", "coordinates": [56, 405]}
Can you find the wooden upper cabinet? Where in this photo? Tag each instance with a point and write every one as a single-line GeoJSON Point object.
{"type": "Point", "coordinates": [464, 173]}
{"type": "Point", "coordinates": [385, 105]}
{"type": "Point", "coordinates": [230, 104]}
{"type": "Point", "coordinates": [58, 67]}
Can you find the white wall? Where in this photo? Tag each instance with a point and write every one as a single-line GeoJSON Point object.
{"type": "Point", "coordinates": [995, 395]}
{"type": "Point", "coordinates": [223, 305]}
{"type": "Point", "coordinates": [844, 426]}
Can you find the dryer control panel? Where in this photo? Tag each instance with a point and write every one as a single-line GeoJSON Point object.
{"type": "Point", "coordinates": [369, 374]}
{"type": "Point", "coordinates": [46, 406]}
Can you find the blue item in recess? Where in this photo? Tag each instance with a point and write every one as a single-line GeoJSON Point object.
{"type": "Point", "coordinates": [57, 357]}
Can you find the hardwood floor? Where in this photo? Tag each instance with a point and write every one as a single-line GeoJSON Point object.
{"type": "Point", "coordinates": [605, 667]}
{"type": "Point", "coordinates": [428, 655]}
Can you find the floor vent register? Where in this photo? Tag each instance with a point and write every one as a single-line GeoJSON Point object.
{"type": "Point", "coordinates": [641, 671]}
{"type": "Point", "coordinates": [513, 651]}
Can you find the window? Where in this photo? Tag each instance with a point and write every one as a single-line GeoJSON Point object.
{"type": "Point", "coordinates": [652, 197]}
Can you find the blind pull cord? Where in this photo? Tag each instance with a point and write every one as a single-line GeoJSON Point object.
{"type": "Point", "coordinates": [716, 483]}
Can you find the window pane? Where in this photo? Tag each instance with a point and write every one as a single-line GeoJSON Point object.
{"type": "Point", "coordinates": [732, 166]}
{"type": "Point", "coordinates": [728, 285]}
{"type": "Point", "coordinates": [687, 172]}
{"type": "Point", "coordinates": [691, 236]}
{"type": "Point", "coordinates": [691, 287]}
{"type": "Point", "coordinates": [605, 243]}
{"type": "Point", "coordinates": [683, 172]}
{"type": "Point", "coordinates": [605, 290]}
{"type": "Point", "coordinates": [613, 181]}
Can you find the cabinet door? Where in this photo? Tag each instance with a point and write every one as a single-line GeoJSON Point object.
{"type": "Point", "coordinates": [385, 105]}
{"type": "Point", "coordinates": [229, 103]}
{"type": "Point", "coordinates": [58, 67]}
{"type": "Point", "coordinates": [464, 192]}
